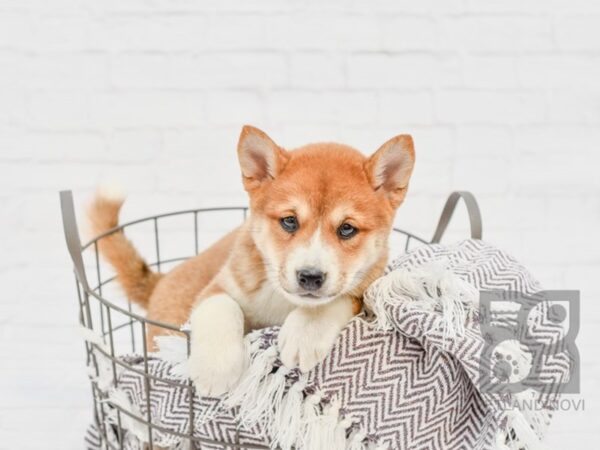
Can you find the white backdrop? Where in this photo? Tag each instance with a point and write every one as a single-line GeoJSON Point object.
{"type": "Point", "coordinates": [502, 97]}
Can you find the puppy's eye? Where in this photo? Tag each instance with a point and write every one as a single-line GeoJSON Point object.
{"type": "Point", "coordinates": [289, 224]}
{"type": "Point", "coordinates": [346, 231]}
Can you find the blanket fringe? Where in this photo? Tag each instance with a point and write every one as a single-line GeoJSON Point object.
{"type": "Point", "coordinates": [173, 349]}
{"type": "Point", "coordinates": [288, 423]}
{"type": "Point", "coordinates": [526, 437]}
{"type": "Point", "coordinates": [430, 286]}
{"type": "Point", "coordinates": [357, 441]}
{"type": "Point", "coordinates": [269, 394]}
{"type": "Point", "coordinates": [121, 400]}
{"type": "Point", "coordinates": [100, 369]}
{"type": "Point", "coordinates": [249, 393]}
{"type": "Point", "coordinates": [341, 431]}
{"type": "Point", "coordinates": [321, 428]}
{"type": "Point", "coordinates": [520, 434]}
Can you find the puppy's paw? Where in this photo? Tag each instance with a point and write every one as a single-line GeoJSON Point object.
{"type": "Point", "coordinates": [215, 369]}
{"type": "Point", "coordinates": [305, 341]}
{"type": "Point", "coordinates": [217, 359]}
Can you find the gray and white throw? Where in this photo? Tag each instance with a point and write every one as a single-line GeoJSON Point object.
{"type": "Point", "coordinates": [405, 374]}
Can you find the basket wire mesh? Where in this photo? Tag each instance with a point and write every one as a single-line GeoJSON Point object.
{"type": "Point", "coordinates": [122, 329]}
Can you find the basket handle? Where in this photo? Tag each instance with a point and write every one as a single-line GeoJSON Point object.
{"type": "Point", "coordinates": [450, 206]}
{"type": "Point", "coordinates": [72, 236]}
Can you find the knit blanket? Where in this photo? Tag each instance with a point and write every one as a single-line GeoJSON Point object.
{"type": "Point", "coordinates": [414, 371]}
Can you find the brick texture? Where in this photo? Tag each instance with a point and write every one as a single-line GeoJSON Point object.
{"type": "Point", "coordinates": [502, 97]}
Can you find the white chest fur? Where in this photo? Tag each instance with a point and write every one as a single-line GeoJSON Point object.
{"type": "Point", "coordinates": [265, 308]}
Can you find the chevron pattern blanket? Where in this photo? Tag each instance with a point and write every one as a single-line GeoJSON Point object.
{"type": "Point", "coordinates": [405, 374]}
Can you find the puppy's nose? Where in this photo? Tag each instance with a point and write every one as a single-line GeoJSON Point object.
{"type": "Point", "coordinates": [310, 279]}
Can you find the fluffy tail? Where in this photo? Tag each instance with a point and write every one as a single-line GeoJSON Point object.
{"type": "Point", "coordinates": [133, 273]}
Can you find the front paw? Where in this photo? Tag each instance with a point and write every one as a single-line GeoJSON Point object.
{"type": "Point", "coordinates": [215, 369]}
{"type": "Point", "coordinates": [303, 341]}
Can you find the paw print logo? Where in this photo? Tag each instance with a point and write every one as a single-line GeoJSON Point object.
{"type": "Point", "coordinates": [509, 363]}
{"type": "Point", "coordinates": [528, 340]}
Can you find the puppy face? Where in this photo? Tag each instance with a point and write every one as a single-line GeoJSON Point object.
{"type": "Point", "coordinates": [321, 214]}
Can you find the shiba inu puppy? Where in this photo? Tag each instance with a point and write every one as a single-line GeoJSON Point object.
{"type": "Point", "coordinates": [316, 237]}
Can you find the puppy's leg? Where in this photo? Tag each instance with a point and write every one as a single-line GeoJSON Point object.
{"type": "Point", "coordinates": [309, 332]}
{"type": "Point", "coordinates": [217, 357]}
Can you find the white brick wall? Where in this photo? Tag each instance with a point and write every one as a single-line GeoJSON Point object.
{"type": "Point", "coordinates": [502, 96]}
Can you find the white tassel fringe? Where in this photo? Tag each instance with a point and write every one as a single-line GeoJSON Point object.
{"type": "Point", "coordinates": [430, 286]}
{"type": "Point", "coordinates": [248, 394]}
{"type": "Point", "coordinates": [321, 429]}
{"type": "Point", "coordinates": [288, 423]}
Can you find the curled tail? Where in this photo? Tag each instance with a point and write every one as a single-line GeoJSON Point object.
{"type": "Point", "coordinates": [133, 273]}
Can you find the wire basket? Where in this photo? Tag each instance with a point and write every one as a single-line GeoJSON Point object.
{"type": "Point", "coordinates": [121, 328]}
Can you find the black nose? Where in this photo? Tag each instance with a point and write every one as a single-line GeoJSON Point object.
{"type": "Point", "coordinates": [310, 279]}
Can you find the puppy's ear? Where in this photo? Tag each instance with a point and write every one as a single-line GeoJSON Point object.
{"type": "Point", "coordinates": [260, 158]}
{"type": "Point", "coordinates": [390, 167]}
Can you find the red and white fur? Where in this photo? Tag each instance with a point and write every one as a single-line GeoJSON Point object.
{"type": "Point", "coordinates": [316, 237]}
